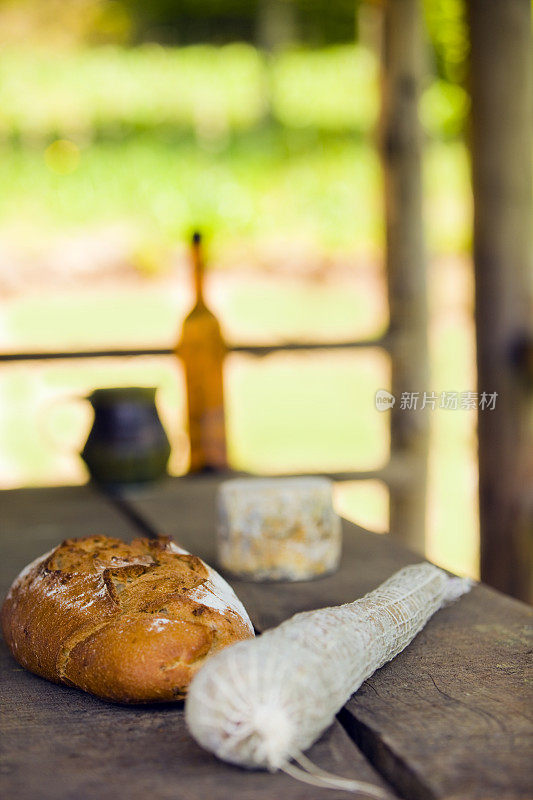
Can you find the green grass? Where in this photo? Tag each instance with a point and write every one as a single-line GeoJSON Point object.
{"type": "Point", "coordinates": [307, 413]}
{"type": "Point", "coordinates": [92, 319]}
{"type": "Point", "coordinates": [324, 189]}
{"type": "Point", "coordinates": [213, 91]}
{"type": "Point", "coordinates": [246, 145]}
{"type": "Point", "coordinates": [109, 91]}
{"type": "Point", "coordinates": [261, 185]}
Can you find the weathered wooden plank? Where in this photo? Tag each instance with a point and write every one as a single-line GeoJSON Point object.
{"type": "Point", "coordinates": [449, 717]}
{"type": "Point", "coordinates": [34, 520]}
{"type": "Point", "coordinates": [60, 743]}
{"type": "Point", "coordinates": [454, 712]}
{"type": "Point", "coordinates": [185, 508]}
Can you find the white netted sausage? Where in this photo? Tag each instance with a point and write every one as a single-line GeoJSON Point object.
{"type": "Point", "coordinates": [262, 702]}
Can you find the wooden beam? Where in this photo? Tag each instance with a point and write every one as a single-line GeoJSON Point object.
{"type": "Point", "coordinates": [248, 349]}
{"type": "Point", "coordinates": [501, 136]}
{"type": "Point", "coordinates": [401, 150]}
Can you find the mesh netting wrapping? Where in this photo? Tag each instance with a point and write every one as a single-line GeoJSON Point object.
{"type": "Point", "coordinates": [262, 702]}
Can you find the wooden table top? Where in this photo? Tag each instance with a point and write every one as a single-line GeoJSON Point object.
{"type": "Point", "coordinates": [450, 717]}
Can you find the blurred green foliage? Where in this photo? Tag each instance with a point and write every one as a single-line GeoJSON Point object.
{"type": "Point", "coordinates": [251, 145]}
{"type": "Point", "coordinates": [448, 32]}
{"type": "Point", "coordinates": [326, 195]}
{"type": "Point", "coordinates": [210, 92]}
{"type": "Point", "coordinates": [272, 24]}
{"type": "Point", "coordinates": [315, 22]}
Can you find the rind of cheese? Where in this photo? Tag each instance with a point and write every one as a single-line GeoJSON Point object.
{"type": "Point", "coordinates": [278, 528]}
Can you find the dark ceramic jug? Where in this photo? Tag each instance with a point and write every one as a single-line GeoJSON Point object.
{"type": "Point", "coordinates": [127, 442]}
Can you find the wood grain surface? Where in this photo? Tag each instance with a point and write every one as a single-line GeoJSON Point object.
{"type": "Point", "coordinates": [451, 716]}
{"type": "Point", "coordinates": [59, 743]}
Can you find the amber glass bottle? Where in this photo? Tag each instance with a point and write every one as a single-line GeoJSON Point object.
{"type": "Point", "coordinates": [202, 350]}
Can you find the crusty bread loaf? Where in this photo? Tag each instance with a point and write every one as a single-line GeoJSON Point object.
{"type": "Point", "coordinates": [128, 622]}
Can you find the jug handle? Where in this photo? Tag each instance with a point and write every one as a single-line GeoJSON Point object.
{"type": "Point", "coordinates": [43, 423]}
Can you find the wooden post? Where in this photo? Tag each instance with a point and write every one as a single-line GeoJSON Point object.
{"type": "Point", "coordinates": [276, 24]}
{"type": "Point", "coordinates": [502, 135]}
{"type": "Point", "coordinates": [405, 262]}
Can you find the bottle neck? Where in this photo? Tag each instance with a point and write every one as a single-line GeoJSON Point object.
{"type": "Point", "coordinates": [198, 272]}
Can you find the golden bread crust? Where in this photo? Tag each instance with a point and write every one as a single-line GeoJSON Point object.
{"type": "Point", "coordinates": [127, 622]}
